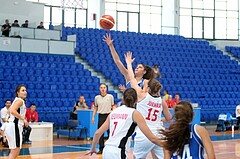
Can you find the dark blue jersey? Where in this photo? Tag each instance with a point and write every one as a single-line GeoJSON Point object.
{"type": "Point", "coordinates": [140, 83]}
{"type": "Point", "coordinates": [193, 150]}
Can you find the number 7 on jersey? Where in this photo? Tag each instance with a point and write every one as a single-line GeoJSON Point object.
{"type": "Point", "coordinates": [115, 125]}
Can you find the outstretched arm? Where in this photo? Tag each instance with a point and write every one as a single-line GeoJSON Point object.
{"type": "Point", "coordinates": [166, 112]}
{"type": "Point", "coordinates": [133, 82]}
{"type": "Point", "coordinates": [98, 134]}
{"type": "Point", "coordinates": [116, 59]}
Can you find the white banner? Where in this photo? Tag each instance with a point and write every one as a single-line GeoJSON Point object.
{"type": "Point", "coordinates": [6, 41]}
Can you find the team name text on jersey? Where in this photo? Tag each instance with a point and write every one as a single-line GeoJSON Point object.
{"type": "Point", "coordinates": [119, 116]}
{"type": "Point", "coordinates": [153, 104]}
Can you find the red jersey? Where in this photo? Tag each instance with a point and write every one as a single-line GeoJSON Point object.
{"type": "Point", "coordinates": [31, 116]}
{"type": "Point", "coordinates": [177, 101]}
{"type": "Point", "coordinates": [171, 103]}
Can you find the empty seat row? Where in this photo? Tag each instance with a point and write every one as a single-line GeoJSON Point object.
{"type": "Point", "coordinates": [36, 57]}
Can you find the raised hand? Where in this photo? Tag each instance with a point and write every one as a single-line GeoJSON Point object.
{"type": "Point", "coordinates": [122, 88]}
{"type": "Point", "coordinates": [128, 57]}
{"type": "Point", "coordinates": [107, 39]}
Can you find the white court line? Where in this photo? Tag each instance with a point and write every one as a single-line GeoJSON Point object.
{"type": "Point", "coordinates": [79, 147]}
{"type": "Point", "coordinates": [230, 140]}
{"type": "Point", "coordinates": [222, 153]}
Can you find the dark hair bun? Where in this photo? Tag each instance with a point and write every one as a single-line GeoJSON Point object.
{"type": "Point", "coordinates": [129, 99]}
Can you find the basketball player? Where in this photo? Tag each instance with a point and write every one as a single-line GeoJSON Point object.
{"type": "Point", "coordinates": [142, 72]}
{"type": "Point", "coordinates": [14, 127]}
{"type": "Point", "coordinates": [151, 106]}
{"type": "Point", "coordinates": [122, 122]}
{"type": "Point", "coordinates": [184, 139]}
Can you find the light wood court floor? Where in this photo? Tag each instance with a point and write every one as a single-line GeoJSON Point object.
{"type": "Point", "coordinates": [63, 148]}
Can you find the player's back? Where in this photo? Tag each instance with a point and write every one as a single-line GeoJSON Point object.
{"type": "Point", "coordinates": [195, 147]}
{"type": "Point", "coordinates": [121, 126]}
{"type": "Point", "coordinates": [151, 109]}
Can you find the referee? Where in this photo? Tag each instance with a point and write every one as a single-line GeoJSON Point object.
{"type": "Point", "coordinates": [102, 105]}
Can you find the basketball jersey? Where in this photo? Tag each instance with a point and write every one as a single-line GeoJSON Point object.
{"type": "Point", "coordinates": [195, 147]}
{"type": "Point", "coordinates": [151, 109]}
{"type": "Point", "coordinates": [140, 83]}
{"type": "Point", "coordinates": [121, 127]}
{"type": "Point", "coordinates": [21, 110]}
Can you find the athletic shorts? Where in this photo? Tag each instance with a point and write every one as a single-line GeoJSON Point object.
{"type": "Point", "coordinates": [142, 147]}
{"type": "Point", "coordinates": [111, 152]}
{"type": "Point", "coordinates": [14, 135]}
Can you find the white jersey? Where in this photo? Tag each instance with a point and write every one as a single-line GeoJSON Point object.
{"type": "Point", "coordinates": [151, 109]}
{"type": "Point", "coordinates": [3, 128]}
{"type": "Point", "coordinates": [121, 127]}
{"type": "Point", "coordinates": [21, 111]}
{"type": "Point", "coordinates": [4, 114]}
{"type": "Point", "coordinates": [237, 108]}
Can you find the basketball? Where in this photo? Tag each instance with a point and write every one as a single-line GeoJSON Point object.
{"type": "Point", "coordinates": [107, 22]}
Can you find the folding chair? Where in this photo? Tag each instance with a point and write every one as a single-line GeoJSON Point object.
{"type": "Point", "coordinates": [74, 126]}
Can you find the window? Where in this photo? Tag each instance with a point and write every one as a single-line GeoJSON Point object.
{"type": "Point", "coordinates": [232, 5]}
{"type": "Point", "coordinates": [232, 28]}
{"type": "Point", "coordinates": [81, 19]}
{"type": "Point", "coordinates": [186, 4]}
{"type": "Point", "coordinates": [122, 23]}
{"type": "Point", "coordinates": [186, 26]}
{"type": "Point", "coordinates": [219, 19]}
{"type": "Point", "coordinates": [56, 15]}
{"type": "Point", "coordinates": [133, 15]}
{"type": "Point", "coordinates": [69, 15]}
{"type": "Point", "coordinates": [220, 29]}
{"type": "Point", "coordinates": [51, 2]}
{"type": "Point", "coordinates": [46, 16]}
{"type": "Point", "coordinates": [208, 4]}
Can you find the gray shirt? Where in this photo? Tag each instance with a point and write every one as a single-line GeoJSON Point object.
{"type": "Point", "coordinates": [104, 103]}
{"type": "Point", "coordinates": [79, 105]}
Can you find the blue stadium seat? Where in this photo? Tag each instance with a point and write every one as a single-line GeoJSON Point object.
{"type": "Point", "coordinates": [69, 86]}
{"type": "Point", "coordinates": [52, 72]}
{"type": "Point", "coordinates": [61, 86]}
{"type": "Point", "coordinates": [63, 94]}
{"type": "Point", "coordinates": [40, 94]}
{"type": "Point", "coordinates": [51, 103]}
{"type": "Point", "coordinates": [70, 94]}
{"type": "Point", "coordinates": [46, 79]}
{"type": "Point", "coordinates": [56, 94]}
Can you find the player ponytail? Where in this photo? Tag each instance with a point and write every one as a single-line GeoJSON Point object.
{"type": "Point", "coordinates": [154, 86]}
{"type": "Point", "coordinates": [149, 72]}
{"type": "Point", "coordinates": [178, 133]}
{"type": "Point", "coordinates": [130, 97]}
